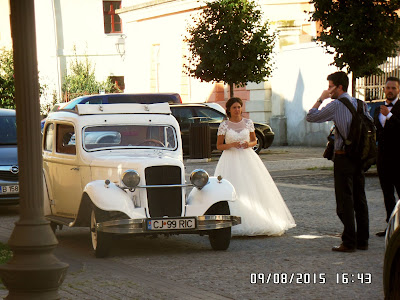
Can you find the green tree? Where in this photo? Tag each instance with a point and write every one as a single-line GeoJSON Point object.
{"type": "Point", "coordinates": [7, 88]}
{"type": "Point", "coordinates": [229, 42]}
{"type": "Point", "coordinates": [360, 33]}
{"type": "Point", "coordinates": [82, 80]}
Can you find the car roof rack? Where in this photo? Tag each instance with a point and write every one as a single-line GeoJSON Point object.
{"type": "Point", "coordinates": [126, 108]}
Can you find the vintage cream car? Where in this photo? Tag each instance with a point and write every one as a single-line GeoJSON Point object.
{"type": "Point", "coordinates": [118, 169]}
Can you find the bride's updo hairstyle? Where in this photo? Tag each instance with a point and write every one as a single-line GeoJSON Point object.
{"type": "Point", "coordinates": [230, 102]}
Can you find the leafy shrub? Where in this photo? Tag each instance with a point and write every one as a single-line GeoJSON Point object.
{"type": "Point", "coordinates": [7, 88]}
{"type": "Point", "coordinates": [82, 80]}
{"type": "Point", "coordinates": [5, 253]}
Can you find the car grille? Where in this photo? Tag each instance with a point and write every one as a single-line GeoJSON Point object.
{"type": "Point", "coordinates": [164, 201]}
{"type": "Point", "coordinates": [8, 176]}
{"type": "Point", "coordinates": [9, 199]}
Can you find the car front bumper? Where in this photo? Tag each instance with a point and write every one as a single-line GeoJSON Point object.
{"type": "Point", "coordinates": [203, 223]}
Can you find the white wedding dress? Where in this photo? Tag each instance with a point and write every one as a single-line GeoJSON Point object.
{"type": "Point", "coordinates": [259, 204]}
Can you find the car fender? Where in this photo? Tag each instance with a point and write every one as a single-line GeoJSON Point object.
{"type": "Point", "coordinates": [46, 199]}
{"type": "Point", "coordinates": [199, 201]}
{"type": "Point", "coordinates": [391, 265]}
{"type": "Point", "coordinates": [112, 198]}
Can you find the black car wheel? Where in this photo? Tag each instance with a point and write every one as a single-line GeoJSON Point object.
{"type": "Point", "coordinates": [391, 266]}
{"type": "Point", "coordinates": [259, 144]}
{"type": "Point", "coordinates": [53, 226]}
{"type": "Point", "coordinates": [393, 290]}
{"type": "Point", "coordinates": [219, 238]}
{"type": "Point", "coordinates": [101, 241]}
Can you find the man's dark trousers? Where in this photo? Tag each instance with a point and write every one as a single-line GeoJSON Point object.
{"type": "Point", "coordinates": [389, 178]}
{"type": "Point", "coordinates": [351, 203]}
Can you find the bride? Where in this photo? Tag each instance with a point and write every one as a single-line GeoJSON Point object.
{"type": "Point", "coordinates": [260, 204]}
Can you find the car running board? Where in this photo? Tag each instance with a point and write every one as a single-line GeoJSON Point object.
{"type": "Point", "coordinates": [60, 220]}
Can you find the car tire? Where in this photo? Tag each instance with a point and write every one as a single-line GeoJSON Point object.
{"type": "Point", "coordinates": [101, 241]}
{"type": "Point", "coordinates": [391, 267]}
{"type": "Point", "coordinates": [53, 226]}
{"type": "Point", "coordinates": [219, 238]}
{"type": "Point", "coordinates": [392, 279]}
{"type": "Point", "coordinates": [257, 148]}
{"type": "Point", "coordinates": [394, 292]}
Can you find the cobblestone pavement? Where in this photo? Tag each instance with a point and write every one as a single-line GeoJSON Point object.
{"type": "Point", "coordinates": [297, 265]}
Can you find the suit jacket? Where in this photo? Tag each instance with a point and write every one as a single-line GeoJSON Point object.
{"type": "Point", "coordinates": [388, 137]}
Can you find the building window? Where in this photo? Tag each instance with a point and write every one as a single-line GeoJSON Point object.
{"type": "Point", "coordinates": [112, 21]}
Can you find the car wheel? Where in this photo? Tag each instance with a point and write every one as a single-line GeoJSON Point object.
{"type": "Point", "coordinates": [53, 226]}
{"type": "Point", "coordinates": [391, 278]}
{"type": "Point", "coordinates": [391, 267]}
{"type": "Point", "coordinates": [101, 241]}
{"type": "Point", "coordinates": [219, 238]}
{"type": "Point", "coordinates": [394, 292]}
{"type": "Point", "coordinates": [259, 144]}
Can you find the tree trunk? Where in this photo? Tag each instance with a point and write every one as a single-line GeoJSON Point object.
{"type": "Point", "coordinates": [353, 85]}
{"type": "Point", "coordinates": [230, 90]}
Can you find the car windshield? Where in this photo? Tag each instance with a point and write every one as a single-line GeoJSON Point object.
{"type": "Point", "coordinates": [209, 115]}
{"type": "Point", "coordinates": [129, 136]}
{"type": "Point", "coordinates": [8, 130]}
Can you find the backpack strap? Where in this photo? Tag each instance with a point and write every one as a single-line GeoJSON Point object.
{"type": "Point", "coordinates": [353, 111]}
{"type": "Point", "coordinates": [343, 139]}
{"type": "Point", "coordinates": [350, 106]}
{"type": "Point", "coordinates": [360, 106]}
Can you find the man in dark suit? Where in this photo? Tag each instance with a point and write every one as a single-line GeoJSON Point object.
{"type": "Point", "coordinates": [387, 122]}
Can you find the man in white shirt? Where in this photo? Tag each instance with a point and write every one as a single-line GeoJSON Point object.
{"type": "Point", "coordinates": [387, 122]}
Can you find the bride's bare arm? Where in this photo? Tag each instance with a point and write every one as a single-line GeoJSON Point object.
{"type": "Point", "coordinates": [222, 146]}
{"type": "Point", "coordinates": [253, 141]}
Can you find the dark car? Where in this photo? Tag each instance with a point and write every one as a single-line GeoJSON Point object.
{"type": "Point", "coordinates": [120, 98]}
{"type": "Point", "coordinates": [375, 104]}
{"type": "Point", "coordinates": [9, 187]}
{"type": "Point", "coordinates": [187, 114]}
{"type": "Point", "coordinates": [391, 265]}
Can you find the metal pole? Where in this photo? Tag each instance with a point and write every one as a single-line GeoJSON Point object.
{"type": "Point", "coordinates": [33, 272]}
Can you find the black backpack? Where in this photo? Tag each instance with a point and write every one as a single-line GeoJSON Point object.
{"type": "Point", "coordinates": [361, 141]}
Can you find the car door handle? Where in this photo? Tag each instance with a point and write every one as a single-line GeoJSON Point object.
{"type": "Point", "coordinates": [75, 169]}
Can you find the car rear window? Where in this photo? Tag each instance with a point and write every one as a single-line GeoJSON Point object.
{"type": "Point", "coordinates": [209, 115]}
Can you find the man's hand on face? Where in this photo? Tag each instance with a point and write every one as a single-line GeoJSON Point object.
{"type": "Point", "coordinates": [327, 93]}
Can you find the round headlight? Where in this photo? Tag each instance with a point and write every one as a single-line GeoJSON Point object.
{"type": "Point", "coordinates": [199, 178]}
{"type": "Point", "coordinates": [130, 178]}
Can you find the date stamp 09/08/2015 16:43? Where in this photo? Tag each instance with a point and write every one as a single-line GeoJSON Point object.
{"type": "Point", "coordinates": [310, 278]}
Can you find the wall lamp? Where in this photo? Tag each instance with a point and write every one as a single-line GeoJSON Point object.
{"type": "Point", "coordinates": [120, 45]}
